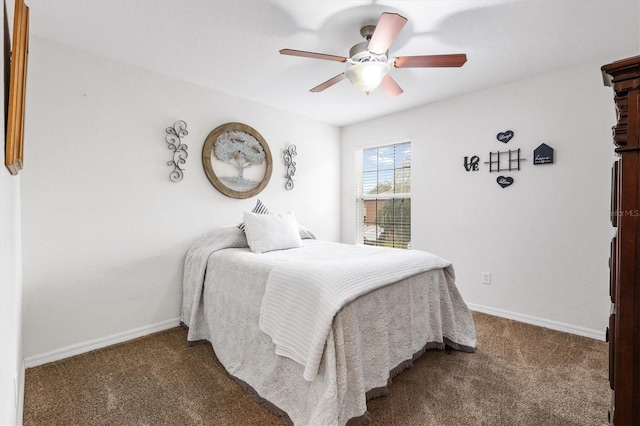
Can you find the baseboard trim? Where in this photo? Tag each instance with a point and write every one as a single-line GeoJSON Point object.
{"type": "Point", "coordinates": [542, 322]}
{"type": "Point", "coordinates": [91, 345]}
{"type": "Point", "coordinates": [103, 342]}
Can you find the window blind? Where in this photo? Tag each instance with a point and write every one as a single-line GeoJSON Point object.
{"type": "Point", "coordinates": [383, 200]}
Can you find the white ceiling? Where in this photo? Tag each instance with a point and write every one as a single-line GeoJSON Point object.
{"type": "Point", "coordinates": [232, 46]}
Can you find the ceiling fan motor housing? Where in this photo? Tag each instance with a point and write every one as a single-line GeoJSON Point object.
{"type": "Point", "coordinates": [360, 53]}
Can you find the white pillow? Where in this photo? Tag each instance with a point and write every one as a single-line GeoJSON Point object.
{"type": "Point", "coordinates": [268, 232]}
{"type": "Point", "coordinates": [260, 208]}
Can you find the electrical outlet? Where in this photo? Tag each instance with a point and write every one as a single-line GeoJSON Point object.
{"type": "Point", "coordinates": [486, 278]}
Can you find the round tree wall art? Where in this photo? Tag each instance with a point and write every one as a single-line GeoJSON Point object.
{"type": "Point", "coordinates": [237, 160]}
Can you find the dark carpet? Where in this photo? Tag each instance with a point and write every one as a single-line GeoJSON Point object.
{"type": "Point", "coordinates": [519, 375]}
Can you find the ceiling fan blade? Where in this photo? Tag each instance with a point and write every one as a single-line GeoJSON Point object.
{"type": "Point", "coordinates": [427, 61]}
{"type": "Point", "coordinates": [387, 29]}
{"type": "Point", "coordinates": [390, 87]}
{"type": "Point", "coordinates": [337, 79]}
{"type": "Point", "coordinates": [314, 55]}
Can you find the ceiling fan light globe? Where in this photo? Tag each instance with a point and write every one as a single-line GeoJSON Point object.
{"type": "Point", "coordinates": [366, 76]}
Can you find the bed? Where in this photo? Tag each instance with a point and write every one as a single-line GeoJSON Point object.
{"type": "Point", "coordinates": [371, 336]}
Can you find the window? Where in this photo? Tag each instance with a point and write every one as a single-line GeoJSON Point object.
{"type": "Point", "coordinates": [383, 204]}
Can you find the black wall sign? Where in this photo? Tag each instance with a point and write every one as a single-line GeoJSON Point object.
{"type": "Point", "coordinates": [472, 164]}
{"type": "Point", "coordinates": [504, 181]}
{"type": "Point", "coordinates": [543, 154]}
{"type": "Point", "coordinates": [505, 136]}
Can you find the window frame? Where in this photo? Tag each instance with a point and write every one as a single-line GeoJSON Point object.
{"type": "Point", "coordinates": [361, 197]}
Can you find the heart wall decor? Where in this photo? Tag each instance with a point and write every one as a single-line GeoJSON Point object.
{"type": "Point", "coordinates": [504, 181]}
{"type": "Point", "coordinates": [505, 136]}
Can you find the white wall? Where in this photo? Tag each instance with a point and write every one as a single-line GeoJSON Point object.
{"type": "Point", "coordinates": [11, 365]}
{"type": "Point", "coordinates": [104, 229]}
{"type": "Point", "coordinates": [545, 239]}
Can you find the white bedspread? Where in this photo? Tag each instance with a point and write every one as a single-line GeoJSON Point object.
{"type": "Point", "coordinates": [301, 299]}
{"type": "Point", "coordinates": [372, 338]}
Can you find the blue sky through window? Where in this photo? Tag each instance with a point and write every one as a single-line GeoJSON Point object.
{"type": "Point", "coordinates": [379, 165]}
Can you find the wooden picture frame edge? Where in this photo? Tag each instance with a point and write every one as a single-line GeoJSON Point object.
{"type": "Point", "coordinates": [14, 142]}
{"type": "Point", "coordinates": [207, 149]}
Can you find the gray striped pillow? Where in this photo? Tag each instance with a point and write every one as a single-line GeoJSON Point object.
{"type": "Point", "coordinates": [260, 208]}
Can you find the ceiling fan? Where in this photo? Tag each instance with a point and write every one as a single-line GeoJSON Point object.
{"type": "Point", "coordinates": [369, 62]}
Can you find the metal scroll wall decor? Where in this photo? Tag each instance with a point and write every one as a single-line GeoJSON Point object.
{"type": "Point", "coordinates": [290, 166]}
{"type": "Point", "coordinates": [174, 139]}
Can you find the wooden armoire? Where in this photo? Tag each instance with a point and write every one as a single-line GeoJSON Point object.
{"type": "Point", "coordinates": [623, 333]}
